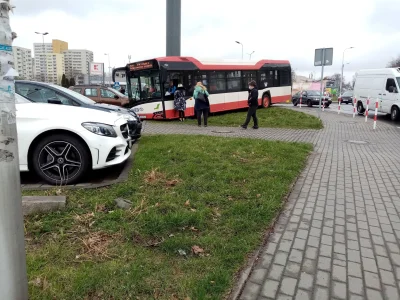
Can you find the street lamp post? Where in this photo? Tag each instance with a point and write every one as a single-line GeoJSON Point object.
{"type": "Point", "coordinates": [250, 54]}
{"type": "Point", "coordinates": [341, 77]}
{"type": "Point", "coordinates": [44, 53]}
{"type": "Point", "coordinates": [129, 58]}
{"type": "Point", "coordinates": [109, 64]}
{"type": "Point", "coordinates": [237, 42]}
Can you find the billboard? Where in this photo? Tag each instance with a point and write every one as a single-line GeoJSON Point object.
{"type": "Point", "coordinates": [325, 54]}
{"type": "Point", "coordinates": [96, 68]}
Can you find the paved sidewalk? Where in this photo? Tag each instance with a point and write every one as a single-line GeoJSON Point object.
{"type": "Point", "coordinates": [339, 234]}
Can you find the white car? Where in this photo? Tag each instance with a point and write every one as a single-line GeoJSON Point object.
{"type": "Point", "coordinates": [62, 143]}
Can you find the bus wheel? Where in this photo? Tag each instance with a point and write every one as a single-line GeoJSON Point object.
{"type": "Point", "coordinates": [266, 102]}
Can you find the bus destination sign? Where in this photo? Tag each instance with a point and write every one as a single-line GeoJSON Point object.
{"type": "Point", "coordinates": [143, 65]}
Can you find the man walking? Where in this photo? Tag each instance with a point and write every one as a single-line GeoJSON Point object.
{"type": "Point", "coordinates": [253, 104]}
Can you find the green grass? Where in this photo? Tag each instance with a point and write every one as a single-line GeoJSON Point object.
{"type": "Point", "coordinates": [216, 193]}
{"type": "Point", "coordinates": [274, 117]}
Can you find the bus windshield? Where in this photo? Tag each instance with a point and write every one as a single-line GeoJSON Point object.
{"type": "Point", "coordinates": [146, 85]}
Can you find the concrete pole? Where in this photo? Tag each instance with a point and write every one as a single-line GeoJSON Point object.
{"type": "Point", "coordinates": [13, 277]}
{"type": "Point", "coordinates": [173, 27]}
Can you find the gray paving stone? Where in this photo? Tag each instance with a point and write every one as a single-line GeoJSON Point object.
{"type": "Point", "coordinates": [372, 280]}
{"type": "Point", "coordinates": [354, 269]}
{"type": "Point", "coordinates": [281, 258]}
{"type": "Point", "coordinates": [292, 269]}
{"type": "Point", "coordinates": [270, 288]}
{"type": "Point", "coordinates": [321, 294]}
{"type": "Point", "coordinates": [288, 286]}
{"type": "Point", "coordinates": [387, 277]}
{"type": "Point", "coordinates": [356, 285]}
{"type": "Point", "coordinates": [258, 275]}
{"type": "Point", "coordinates": [384, 263]}
{"type": "Point", "coordinates": [306, 281]}
{"type": "Point", "coordinates": [369, 265]}
{"type": "Point", "coordinates": [323, 278]}
{"type": "Point", "coordinates": [311, 252]}
{"type": "Point", "coordinates": [250, 291]}
{"type": "Point", "coordinates": [374, 295]}
{"type": "Point", "coordinates": [324, 263]}
{"type": "Point", "coordinates": [391, 292]}
{"type": "Point", "coordinates": [339, 290]}
{"type": "Point", "coordinates": [276, 272]}
{"type": "Point", "coordinates": [339, 273]}
{"type": "Point", "coordinates": [302, 295]}
{"type": "Point", "coordinates": [296, 256]}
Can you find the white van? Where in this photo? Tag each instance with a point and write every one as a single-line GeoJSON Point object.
{"type": "Point", "coordinates": [381, 84]}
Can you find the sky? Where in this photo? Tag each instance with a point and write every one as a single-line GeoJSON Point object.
{"type": "Point", "coordinates": [284, 29]}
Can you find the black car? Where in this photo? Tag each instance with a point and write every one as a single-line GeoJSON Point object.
{"type": "Point", "coordinates": [54, 94]}
{"type": "Point", "coordinates": [347, 97]}
{"type": "Point", "coordinates": [310, 98]}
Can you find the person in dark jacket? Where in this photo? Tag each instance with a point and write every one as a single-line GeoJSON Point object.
{"type": "Point", "coordinates": [253, 104]}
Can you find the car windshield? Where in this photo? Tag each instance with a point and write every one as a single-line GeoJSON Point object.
{"type": "Point", "coordinates": [74, 94]}
{"type": "Point", "coordinates": [398, 81]}
{"type": "Point", "coordinates": [313, 93]}
{"type": "Point", "coordinates": [348, 94]}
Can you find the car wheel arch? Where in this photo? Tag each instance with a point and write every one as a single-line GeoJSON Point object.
{"type": "Point", "coordinates": [41, 136]}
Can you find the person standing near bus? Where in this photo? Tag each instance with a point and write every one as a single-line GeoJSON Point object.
{"type": "Point", "coordinates": [253, 105]}
{"type": "Point", "coordinates": [180, 102]}
{"type": "Point", "coordinates": [201, 103]}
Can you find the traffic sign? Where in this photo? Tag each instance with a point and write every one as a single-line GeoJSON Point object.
{"type": "Point", "coordinates": [116, 85]}
{"type": "Point", "coordinates": [323, 55]}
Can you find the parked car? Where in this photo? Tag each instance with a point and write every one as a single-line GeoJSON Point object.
{"type": "Point", "coordinates": [346, 97]}
{"type": "Point", "coordinates": [310, 98]}
{"type": "Point", "coordinates": [381, 84]}
{"type": "Point", "coordinates": [51, 93]}
{"type": "Point", "coordinates": [102, 94]}
{"type": "Point", "coordinates": [62, 143]}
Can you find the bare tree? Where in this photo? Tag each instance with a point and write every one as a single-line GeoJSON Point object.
{"type": "Point", "coordinates": [293, 76]}
{"type": "Point", "coordinates": [394, 63]}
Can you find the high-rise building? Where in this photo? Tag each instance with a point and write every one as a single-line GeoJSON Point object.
{"type": "Point", "coordinates": [59, 46]}
{"type": "Point", "coordinates": [49, 61]}
{"type": "Point", "coordinates": [77, 63]}
{"type": "Point", "coordinates": [55, 67]}
{"type": "Point", "coordinates": [23, 62]}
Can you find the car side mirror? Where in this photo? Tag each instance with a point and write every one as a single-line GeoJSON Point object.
{"type": "Point", "coordinates": [54, 100]}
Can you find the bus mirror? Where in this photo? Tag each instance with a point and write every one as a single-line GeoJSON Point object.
{"type": "Point", "coordinates": [164, 75]}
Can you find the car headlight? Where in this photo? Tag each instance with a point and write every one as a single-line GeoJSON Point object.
{"type": "Point", "coordinates": [100, 129]}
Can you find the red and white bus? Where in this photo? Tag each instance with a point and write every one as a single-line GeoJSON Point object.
{"type": "Point", "coordinates": [148, 82]}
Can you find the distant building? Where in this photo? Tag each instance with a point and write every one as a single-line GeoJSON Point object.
{"type": "Point", "coordinates": [77, 64]}
{"type": "Point", "coordinates": [49, 61]}
{"type": "Point", "coordinates": [23, 62]}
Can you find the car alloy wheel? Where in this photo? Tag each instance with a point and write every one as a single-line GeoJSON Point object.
{"type": "Point", "coordinates": [60, 161]}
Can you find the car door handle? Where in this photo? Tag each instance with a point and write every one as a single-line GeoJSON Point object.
{"type": "Point", "coordinates": [383, 94]}
{"type": "Point", "coordinates": [380, 94]}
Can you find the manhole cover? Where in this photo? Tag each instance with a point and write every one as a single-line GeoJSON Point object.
{"type": "Point", "coordinates": [349, 122]}
{"type": "Point", "coordinates": [221, 131]}
{"type": "Point", "coordinates": [357, 142]}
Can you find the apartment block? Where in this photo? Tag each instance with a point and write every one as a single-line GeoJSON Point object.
{"type": "Point", "coordinates": [23, 62]}
{"type": "Point", "coordinates": [77, 62]}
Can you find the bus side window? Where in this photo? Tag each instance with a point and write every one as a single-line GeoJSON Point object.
{"type": "Point", "coordinates": [217, 82]}
{"type": "Point", "coordinates": [284, 78]}
{"type": "Point", "coordinates": [247, 77]}
{"type": "Point", "coordinates": [233, 79]}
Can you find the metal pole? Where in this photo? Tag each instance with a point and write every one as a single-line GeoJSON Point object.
{"type": "Point", "coordinates": [13, 277]}
{"type": "Point", "coordinates": [322, 82]}
{"type": "Point", "coordinates": [129, 58]}
{"type": "Point", "coordinates": [173, 27]}
{"type": "Point", "coordinates": [341, 77]}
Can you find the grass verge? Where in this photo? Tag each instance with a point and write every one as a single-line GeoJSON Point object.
{"type": "Point", "coordinates": [273, 117]}
{"type": "Point", "coordinates": [200, 206]}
